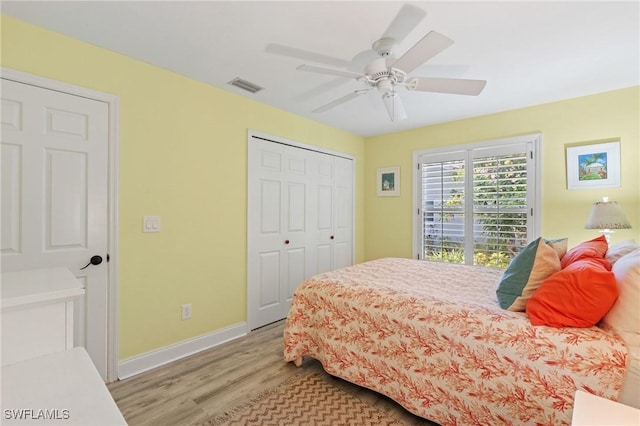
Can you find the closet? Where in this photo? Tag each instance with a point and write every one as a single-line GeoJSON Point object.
{"type": "Point", "coordinates": [299, 221]}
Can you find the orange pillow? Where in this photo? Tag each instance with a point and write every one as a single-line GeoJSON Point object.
{"type": "Point", "coordinates": [577, 296]}
{"type": "Point", "coordinates": [592, 248]}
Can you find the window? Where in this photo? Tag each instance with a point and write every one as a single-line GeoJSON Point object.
{"type": "Point", "coordinates": [477, 204]}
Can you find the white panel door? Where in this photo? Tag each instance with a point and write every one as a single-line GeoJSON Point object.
{"type": "Point", "coordinates": [331, 213]}
{"type": "Point", "coordinates": [295, 219]}
{"type": "Point", "coordinates": [277, 221]}
{"type": "Point", "coordinates": [54, 196]}
{"type": "Point", "coordinates": [343, 214]}
{"type": "Point", "coordinates": [300, 223]}
{"type": "Point", "coordinates": [322, 214]}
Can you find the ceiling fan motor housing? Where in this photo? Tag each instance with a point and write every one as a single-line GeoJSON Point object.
{"type": "Point", "coordinates": [377, 69]}
{"type": "Point", "coordinates": [383, 77]}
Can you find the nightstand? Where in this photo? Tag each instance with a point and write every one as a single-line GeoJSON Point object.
{"type": "Point", "coordinates": [589, 409]}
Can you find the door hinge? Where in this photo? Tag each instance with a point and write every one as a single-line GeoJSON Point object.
{"type": "Point", "coordinates": [531, 154]}
{"type": "Point", "coordinates": [418, 212]}
{"type": "Point", "coordinates": [108, 258]}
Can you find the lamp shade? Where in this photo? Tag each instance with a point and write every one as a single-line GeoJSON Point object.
{"type": "Point", "coordinates": [607, 215]}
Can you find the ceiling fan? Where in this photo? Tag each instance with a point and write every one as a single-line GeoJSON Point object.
{"type": "Point", "coordinates": [387, 74]}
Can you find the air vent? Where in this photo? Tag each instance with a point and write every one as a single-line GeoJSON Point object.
{"type": "Point", "coordinates": [245, 85]}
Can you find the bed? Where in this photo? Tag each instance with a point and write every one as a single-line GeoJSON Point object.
{"type": "Point", "coordinates": [432, 337]}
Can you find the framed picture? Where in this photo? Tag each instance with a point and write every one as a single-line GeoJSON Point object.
{"type": "Point", "coordinates": [593, 166]}
{"type": "Point", "coordinates": [388, 182]}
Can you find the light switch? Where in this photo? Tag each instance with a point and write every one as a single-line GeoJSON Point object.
{"type": "Point", "coordinates": [151, 224]}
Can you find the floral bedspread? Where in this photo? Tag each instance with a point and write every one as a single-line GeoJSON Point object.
{"type": "Point", "coordinates": [432, 337]}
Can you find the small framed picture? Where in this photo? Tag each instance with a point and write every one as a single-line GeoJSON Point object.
{"type": "Point", "coordinates": [388, 182]}
{"type": "Point", "coordinates": [593, 166]}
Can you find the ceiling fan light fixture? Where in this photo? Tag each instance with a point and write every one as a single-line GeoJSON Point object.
{"type": "Point", "coordinates": [394, 106]}
{"type": "Point", "coordinates": [383, 46]}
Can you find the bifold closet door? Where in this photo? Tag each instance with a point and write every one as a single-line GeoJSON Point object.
{"type": "Point", "coordinates": [331, 214]}
{"type": "Point", "coordinates": [276, 228]}
{"type": "Point", "coordinates": [343, 214]}
{"type": "Point", "coordinates": [321, 220]}
{"type": "Point", "coordinates": [295, 208]}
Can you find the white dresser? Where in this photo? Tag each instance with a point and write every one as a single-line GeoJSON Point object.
{"type": "Point", "coordinates": [45, 380]}
{"type": "Point", "coordinates": [37, 312]}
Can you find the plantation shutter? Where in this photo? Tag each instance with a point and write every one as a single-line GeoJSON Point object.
{"type": "Point", "coordinates": [500, 208]}
{"type": "Point", "coordinates": [443, 213]}
{"type": "Point", "coordinates": [476, 205]}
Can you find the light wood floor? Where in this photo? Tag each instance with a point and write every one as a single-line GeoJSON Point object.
{"type": "Point", "coordinates": [205, 385]}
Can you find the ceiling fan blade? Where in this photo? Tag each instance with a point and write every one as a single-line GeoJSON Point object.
{"type": "Point", "coordinates": [330, 71]}
{"type": "Point", "coordinates": [321, 89]}
{"type": "Point", "coordinates": [341, 100]}
{"type": "Point", "coordinates": [293, 52]}
{"type": "Point", "coordinates": [425, 49]}
{"type": "Point", "coordinates": [456, 86]}
{"type": "Point", "coordinates": [406, 20]}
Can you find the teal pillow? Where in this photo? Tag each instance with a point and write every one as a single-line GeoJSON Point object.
{"type": "Point", "coordinates": [535, 263]}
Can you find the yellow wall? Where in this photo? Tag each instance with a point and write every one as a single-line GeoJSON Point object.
{"type": "Point", "coordinates": [183, 156]}
{"type": "Point", "coordinates": [616, 114]}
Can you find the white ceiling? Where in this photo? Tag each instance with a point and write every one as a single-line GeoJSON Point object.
{"type": "Point", "coordinates": [529, 52]}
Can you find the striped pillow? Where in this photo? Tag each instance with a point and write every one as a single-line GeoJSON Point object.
{"type": "Point", "coordinates": [535, 263]}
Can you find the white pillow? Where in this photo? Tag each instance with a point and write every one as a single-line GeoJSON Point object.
{"type": "Point", "coordinates": [630, 394]}
{"type": "Point", "coordinates": [619, 249]}
{"type": "Point", "coordinates": [625, 313]}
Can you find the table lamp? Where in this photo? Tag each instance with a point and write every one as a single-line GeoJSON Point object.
{"type": "Point", "coordinates": [607, 215]}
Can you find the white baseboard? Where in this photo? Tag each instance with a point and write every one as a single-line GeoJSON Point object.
{"type": "Point", "coordinates": [141, 363]}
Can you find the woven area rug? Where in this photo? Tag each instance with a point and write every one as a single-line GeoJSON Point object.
{"type": "Point", "coordinates": [306, 399]}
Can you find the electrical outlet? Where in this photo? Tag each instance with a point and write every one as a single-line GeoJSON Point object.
{"type": "Point", "coordinates": [186, 311]}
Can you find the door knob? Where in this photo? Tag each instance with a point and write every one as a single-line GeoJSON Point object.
{"type": "Point", "coordinates": [286, 241]}
{"type": "Point", "coordinates": [95, 260]}
{"type": "Point", "coordinates": [331, 237]}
